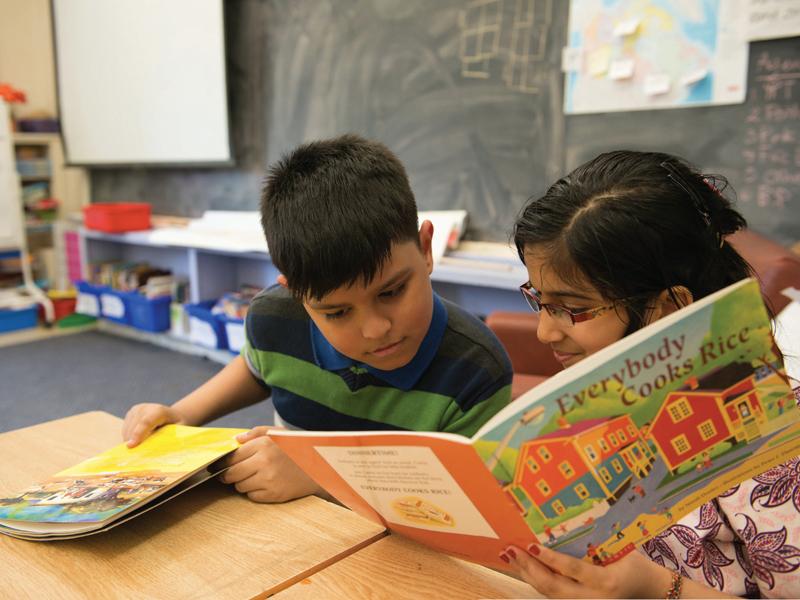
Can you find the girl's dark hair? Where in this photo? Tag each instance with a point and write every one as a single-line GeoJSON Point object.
{"type": "Point", "coordinates": [635, 224]}
{"type": "Point", "coordinates": [332, 210]}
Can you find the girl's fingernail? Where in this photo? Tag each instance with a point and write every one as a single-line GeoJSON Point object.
{"type": "Point", "coordinates": [533, 549]}
{"type": "Point", "coordinates": [511, 553]}
{"type": "Point", "coordinates": [504, 557]}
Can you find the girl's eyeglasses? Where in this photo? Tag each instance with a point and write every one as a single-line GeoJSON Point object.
{"type": "Point", "coordinates": [560, 313]}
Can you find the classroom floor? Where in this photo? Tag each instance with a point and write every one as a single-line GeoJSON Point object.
{"type": "Point", "coordinates": [46, 375]}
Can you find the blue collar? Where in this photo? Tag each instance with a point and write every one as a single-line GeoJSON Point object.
{"type": "Point", "coordinates": [329, 358]}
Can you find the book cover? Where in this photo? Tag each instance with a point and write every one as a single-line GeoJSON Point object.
{"type": "Point", "coordinates": [595, 460]}
{"type": "Point", "coordinates": [119, 483]}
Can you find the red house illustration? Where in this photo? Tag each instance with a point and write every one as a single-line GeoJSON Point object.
{"type": "Point", "coordinates": [723, 405]}
{"type": "Point", "coordinates": [578, 464]}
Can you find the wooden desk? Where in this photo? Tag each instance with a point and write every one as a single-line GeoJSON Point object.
{"type": "Point", "coordinates": [395, 567]}
{"type": "Point", "coordinates": [208, 543]}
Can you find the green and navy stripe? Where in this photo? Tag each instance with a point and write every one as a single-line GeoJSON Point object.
{"type": "Point", "coordinates": [460, 377]}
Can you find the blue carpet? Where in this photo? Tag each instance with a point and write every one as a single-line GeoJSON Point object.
{"type": "Point", "coordinates": [70, 374]}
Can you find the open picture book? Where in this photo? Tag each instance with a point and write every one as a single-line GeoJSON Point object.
{"type": "Point", "coordinates": [117, 485]}
{"type": "Point", "coordinates": [592, 462]}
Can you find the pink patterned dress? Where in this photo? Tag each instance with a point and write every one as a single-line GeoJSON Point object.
{"type": "Point", "coordinates": [745, 542]}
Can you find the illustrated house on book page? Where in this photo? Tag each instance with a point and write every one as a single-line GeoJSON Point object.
{"type": "Point", "coordinates": [578, 467]}
{"type": "Point", "coordinates": [722, 406]}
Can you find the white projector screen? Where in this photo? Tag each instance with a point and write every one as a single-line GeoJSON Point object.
{"type": "Point", "coordinates": [142, 81]}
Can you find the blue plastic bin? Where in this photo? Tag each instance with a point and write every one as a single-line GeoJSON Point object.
{"type": "Point", "coordinates": [114, 305]}
{"type": "Point", "coordinates": [12, 319]}
{"type": "Point", "coordinates": [205, 328]}
{"type": "Point", "coordinates": [234, 332]}
{"type": "Point", "coordinates": [88, 301]}
{"type": "Point", "coordinates": [148, 314]}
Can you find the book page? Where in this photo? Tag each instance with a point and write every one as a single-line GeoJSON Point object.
{"type": "Point", "coordinates": [431, 487]}
{"type": "Point", "coordinates": [408, 485]}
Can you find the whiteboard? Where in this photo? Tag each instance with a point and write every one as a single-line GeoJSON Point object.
{"type": "Point", "coordinates": [142, 81]}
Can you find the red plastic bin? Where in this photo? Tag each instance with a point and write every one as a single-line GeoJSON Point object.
{"type": "Point", "coordinates": [62, 307]}
{"type": "Point", "coordinates": [117, 217]}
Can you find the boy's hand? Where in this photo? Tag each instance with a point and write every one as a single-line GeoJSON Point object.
{"type": "Point", "coordinates": [144, 419]}
{"type": "Point", "coordinates": [260, 469]}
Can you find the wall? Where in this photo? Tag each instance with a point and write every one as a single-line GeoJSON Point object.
{"type": "Point", "coordinates": [756, 145]}
{"type": "Point", "coordinates": [391, 70]}
{"type": "Point", "coordinates": [482, 134]}
{"type": "Point", "coordinates": [26, 53]}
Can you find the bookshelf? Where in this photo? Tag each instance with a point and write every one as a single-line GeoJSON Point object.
{"type": "Point", "coordinates": [43, 173]}
{"type": "Point", "coordinates": [480, 282]}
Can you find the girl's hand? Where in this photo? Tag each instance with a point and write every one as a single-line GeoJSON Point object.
{"type": "Point", "coordinates": [558, 575]}
{"type": "Point", "coordinates": [261, 470]}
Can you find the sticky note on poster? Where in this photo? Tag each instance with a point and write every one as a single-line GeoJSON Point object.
{"type": "Point", "coordinates": [598, 61]}
{"type": "Point", "coordinates": [621, 69]}
{"type": "Point", "coordinates": [656, 85]}
{"type": "Point", "coordinates": [571, 59]}
{"type": "Point", "coordinates": [626, 27]}
{"type": "Point", "coordinates": [694, 76]}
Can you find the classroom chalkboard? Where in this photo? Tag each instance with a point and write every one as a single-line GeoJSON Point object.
{"type": "Point", "coordinates": [755, 145]}
{"type": "Point", "coordinates": [469, 95]}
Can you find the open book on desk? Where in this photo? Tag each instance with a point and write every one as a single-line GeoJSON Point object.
{"type": "Point", "coordinates": [592, 462]}
{"type": "Point", "coordinates": [117, 485]}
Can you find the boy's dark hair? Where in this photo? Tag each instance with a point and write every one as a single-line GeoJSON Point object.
{"type": "Point", "coordinates": [635, 224]}
{"type": "Point", "coordinates": [331, 211]}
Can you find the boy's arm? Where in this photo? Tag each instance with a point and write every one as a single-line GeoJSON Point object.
{"type": "Point", "coordinates": [234, 387]}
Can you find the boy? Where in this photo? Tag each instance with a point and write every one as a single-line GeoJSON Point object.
{"type": "Point", "coordinates": [353, 338]}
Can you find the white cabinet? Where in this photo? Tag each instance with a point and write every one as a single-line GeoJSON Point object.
{"type": "Point", "coordinates": [479, 286]}
{"type": "Point", "coordinates": [209, 272]}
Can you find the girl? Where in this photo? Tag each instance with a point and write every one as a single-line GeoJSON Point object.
{"type": "Point", "coordinates": [620, 242]}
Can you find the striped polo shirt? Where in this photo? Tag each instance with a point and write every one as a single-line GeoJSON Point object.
{"type": "Point", "coordinates": [459, 378]}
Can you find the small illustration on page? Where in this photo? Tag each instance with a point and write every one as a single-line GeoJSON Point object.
{"type": "Point", "coordinates": [421, 512]}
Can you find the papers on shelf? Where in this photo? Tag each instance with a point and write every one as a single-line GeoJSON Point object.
{"type": "Point", "coordinates": [16, 299]}
{"type": "Point", "coordinates": [448, 227]}
{"type": "Point", "coordinates": [232, 231]}
{"type": "Point", "coordinates": [240, 231]}
{"type": "Point", "coordinates": [493, 262]}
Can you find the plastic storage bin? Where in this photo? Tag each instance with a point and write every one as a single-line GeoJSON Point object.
{"type": "Point", "coordinates": [88, 302]}
{"type": "Point", "coordinates": [63, 306]}
{"type": "Point", "coordinates": [148, 314]}
{"type": "Point", "coordinates": [116, 218]}
{"type": "Point", "coordinates": [179, 321]}
{"type": "Point", "coordinates": [114, 305]}
{"type": "Point", "coordinates": [234, 332]}
{"type": "Point", "coordinates": [20, 318]}
{"type": "Point", "coordinates": [205, 329]}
